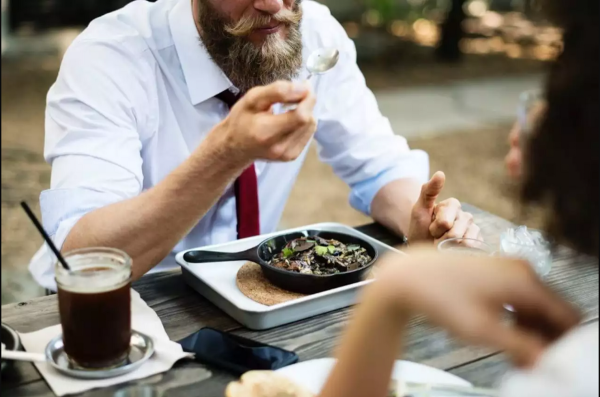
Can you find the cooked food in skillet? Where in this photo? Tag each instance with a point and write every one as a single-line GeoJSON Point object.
{"type": "Point", "coordinates": [321, 257]}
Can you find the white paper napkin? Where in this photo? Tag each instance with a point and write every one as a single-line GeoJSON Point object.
{"type": "Point", "coordinates": [143, 319]}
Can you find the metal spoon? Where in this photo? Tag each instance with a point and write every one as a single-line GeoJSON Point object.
{"type": "Point", "coordinates": [322, 61]}
{"type": "Point", "coordinates": [21, 356]}
{"type": "Point", "coordinates": [319, 62]}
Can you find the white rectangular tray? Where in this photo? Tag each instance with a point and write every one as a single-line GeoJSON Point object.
{"type": "Point", "coordinates": [216, 282]}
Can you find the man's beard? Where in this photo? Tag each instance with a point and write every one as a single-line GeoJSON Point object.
{"type": "Point", "coordinates": [246, 64]}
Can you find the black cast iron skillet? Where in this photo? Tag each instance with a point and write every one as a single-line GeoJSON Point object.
{"type": "Point", "coordinates": [291, 281]}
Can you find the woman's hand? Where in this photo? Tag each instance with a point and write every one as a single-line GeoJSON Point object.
{"type": "Point", "coordinates": [514, 158]}
{"type": "Point", "coordinates": [466, 294]}
{"type": "Point", "coordinates": [462, 294]}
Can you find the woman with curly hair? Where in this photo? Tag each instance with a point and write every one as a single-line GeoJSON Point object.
{"type": "Point", "coordinates": [557, 165]}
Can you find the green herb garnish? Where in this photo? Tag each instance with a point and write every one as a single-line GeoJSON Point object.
{"type": "Point", "coordinates": [320, 250]}
{"type": "Point", "coordinates": [287, 252]}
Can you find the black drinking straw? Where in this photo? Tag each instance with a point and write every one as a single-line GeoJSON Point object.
{"type": "Point", "coordinates": [45, 235]}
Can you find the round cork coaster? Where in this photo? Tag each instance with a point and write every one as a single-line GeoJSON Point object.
{"type": "Point", "coordinates": [251, 281]}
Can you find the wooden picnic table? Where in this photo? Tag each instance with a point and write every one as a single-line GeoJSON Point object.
{"type": "Point", "coordinates": [183, 311]}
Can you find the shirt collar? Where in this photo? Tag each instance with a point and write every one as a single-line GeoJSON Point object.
{"type": "Point", "coordinates": [204, 79]}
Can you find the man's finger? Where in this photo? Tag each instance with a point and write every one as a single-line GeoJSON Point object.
{"type": "Point", "coordinates": [446, 214]}
{"type": "Point", "coordinates": [432, 189]}
{"type": "Point", "coordinates": [262, 98]}
{"type": "Point", "coordinates": [289, 122]}
{"type": "Point", "coordinates": [473, 232]}
{"type": "Point", "coordinates": [306, 107]}
{"type": "Point", "coordinates": [296, 141]}
{"type": "Point", "coordinates": [461, 224]}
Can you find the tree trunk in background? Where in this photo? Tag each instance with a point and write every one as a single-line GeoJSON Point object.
{"type": "Point", "coordinates": [4, 24]}
{"type": "Point", "coordinates": [451, 32]}
{"type": "Point", "coordinates": [527, 8]}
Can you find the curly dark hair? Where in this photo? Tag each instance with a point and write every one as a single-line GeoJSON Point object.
{"type": "Point", "coordinates": [561, 160]}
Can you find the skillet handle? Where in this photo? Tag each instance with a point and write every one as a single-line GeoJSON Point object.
{"type": "Point", "coordinates": [199, 256]}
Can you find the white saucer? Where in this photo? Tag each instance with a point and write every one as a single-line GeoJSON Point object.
{"type": "Point", "coordinates": [313, 373]}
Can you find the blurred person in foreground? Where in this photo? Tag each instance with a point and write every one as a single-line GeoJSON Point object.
{"type": "Point", "coordinates": [165, 132]}
{"type": "Point", "coordinates": [559, 170]}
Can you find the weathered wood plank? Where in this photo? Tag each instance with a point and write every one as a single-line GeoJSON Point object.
{"type": "Point", "coordinates": [181, 309]}
{"type": "Point", "coordinates": [31, 315]}
{"type": "Point", "coordinates": [486, 372]}
{"type": "Point", "coordinates": [318, 337]}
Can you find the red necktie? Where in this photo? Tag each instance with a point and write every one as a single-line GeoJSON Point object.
{"type": "Point", "coordinates": [246, 189]}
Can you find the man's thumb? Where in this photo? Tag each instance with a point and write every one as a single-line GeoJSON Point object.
{"type": "Point", "coordinates": [432, 189]}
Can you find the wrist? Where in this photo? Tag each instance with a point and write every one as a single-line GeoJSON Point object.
{"type": "Point", "coordinates": [225, 153]}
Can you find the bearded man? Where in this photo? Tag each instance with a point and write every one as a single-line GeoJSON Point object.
{"type": "Point", "coordinates": [165, 132]}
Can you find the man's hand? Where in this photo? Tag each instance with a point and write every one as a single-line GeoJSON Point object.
{"type": "Point", "coordinates": [179, 201]}
{"type": "Point", "coordinates": [252, 131]}
{"type": "Point", "coordinates": [442, 221]}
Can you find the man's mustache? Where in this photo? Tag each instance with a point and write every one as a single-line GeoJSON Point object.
{"type": "Point", "coordinates": [246, 25]}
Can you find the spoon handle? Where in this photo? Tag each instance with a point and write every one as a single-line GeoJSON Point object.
{"type": "Point", "coordinates": [288, 107]}
{"type": "Point", "coordinates": [22, 356]}
{"type": "Point", "coordinates": [291, 106]}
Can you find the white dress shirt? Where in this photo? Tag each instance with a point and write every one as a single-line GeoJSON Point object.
{"type": "Point", "coordinates": [135, 96]}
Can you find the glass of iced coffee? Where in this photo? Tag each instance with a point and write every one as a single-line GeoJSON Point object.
{"type": "Point", "coordinates": [95, 307]}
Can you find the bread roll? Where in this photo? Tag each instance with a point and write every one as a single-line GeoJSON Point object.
{"type": "Point", "coordinates": [265, 384]}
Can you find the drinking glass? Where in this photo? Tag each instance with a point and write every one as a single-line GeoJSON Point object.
{"type": "Point", "coordinates": [95, 307]}
{"type": "Point", "coordinates": [537, 253]}
{"type": "Point", "coordinates": [465, 246]}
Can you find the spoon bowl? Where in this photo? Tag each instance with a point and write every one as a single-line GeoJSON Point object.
{"type": "Point", "coordinates": [322, 60]}
{"type": "Point", "coordinates": [319, 62]}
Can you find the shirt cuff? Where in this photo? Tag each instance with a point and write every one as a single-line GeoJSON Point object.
{"type": "Point", "coordinates": [61, 210]}
{"type": "Point", "coordinates": [58, 205]}
{"type": "Point", "coordinates": [415, 166]}
{"type": "Point", "coordinates": [42, 264]}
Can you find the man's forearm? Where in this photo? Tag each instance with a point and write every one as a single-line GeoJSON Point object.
{"type": "Point", "coordinates": [148, 226]}
{"type": "Point", "coordinates": [393, 204]}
